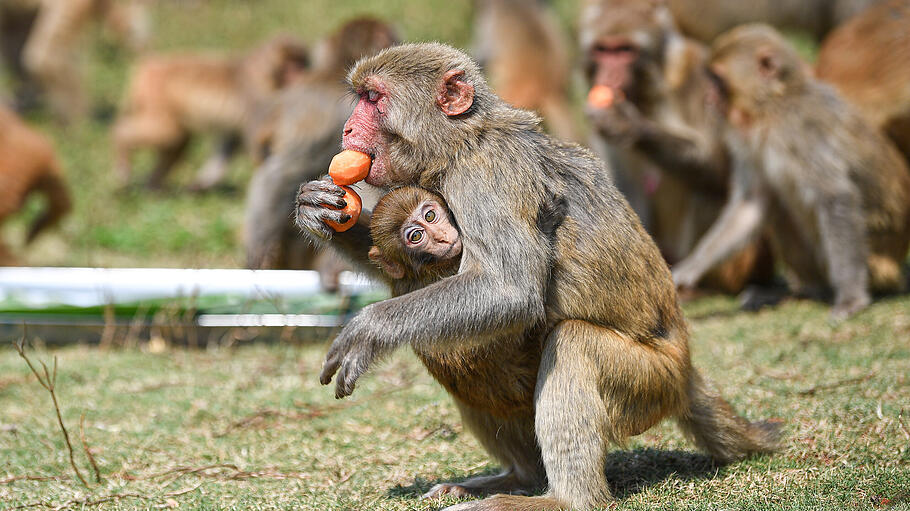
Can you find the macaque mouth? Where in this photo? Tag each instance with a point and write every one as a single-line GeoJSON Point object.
{"type": "Point", "coordinates": [613, 60]}
{"type": "Point", "coordinates": [719, 91]}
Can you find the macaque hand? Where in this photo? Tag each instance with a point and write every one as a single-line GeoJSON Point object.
{"type": "Point", "coordinates": [621, 123]}
{"type": "Point", "coordinates": [314, 204]}
{"type": "Point", "coordinates": [685, 277]}
{"type": "Point", "coordinates": [350, 356]}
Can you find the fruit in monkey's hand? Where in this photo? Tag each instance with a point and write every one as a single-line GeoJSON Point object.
{"type": "Point", "coordinates": [349, 167]}
{"type": "Point", "coordinates": [353, 206]}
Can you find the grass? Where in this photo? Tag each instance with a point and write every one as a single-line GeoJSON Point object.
{"type": "Point", "coordinates": [249, 427]}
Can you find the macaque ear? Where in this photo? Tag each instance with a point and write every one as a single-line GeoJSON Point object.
{"type": "Point", "coordinates": [392, 269]}
{"type": "Point", "coordinates": [768, 63]}
{"type": "Point", "coordinates": [455, 95]}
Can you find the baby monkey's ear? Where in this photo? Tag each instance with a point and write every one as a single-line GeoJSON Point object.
{"type": "Point", "coordinates": [392, 269]}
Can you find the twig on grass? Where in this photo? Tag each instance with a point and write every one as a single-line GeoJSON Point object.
{"type": "Point", "coordinates": [88, 452]}
{"type": "Point", "coordinates": [89, 501]}
{"type": "Point", "coordinates": [49, 382]}
{"type": "Point", "coordinates": [900, 422]}
{"type": "Point", "coordinates": [264, 413]}
{"type": "Point", "coordinates": [827, 386]}
{"type": "Point", "coordinates": [13, 479]}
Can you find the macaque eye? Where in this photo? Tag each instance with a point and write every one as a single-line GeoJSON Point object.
{"type": "Point", "coordinates": [372, 96]}
{"type": "Point", "coordinates": [415, 236]}
{"type": "Point", "coordinates": [430, 216]}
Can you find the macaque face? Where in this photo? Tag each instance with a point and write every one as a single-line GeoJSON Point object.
{"type": "Point", "coordinates": [752, 65]}
{"type": "Point", "coordinates": [621, 38]}
{"type": "Point", "coordinates": [363, 131]}
{"type": "Point", "coordinates": [429, 230]}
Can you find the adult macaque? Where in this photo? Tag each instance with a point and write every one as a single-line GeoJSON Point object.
{"type": "Point", "coordinates": [868, 60]}
{"type": "Point", "coordinates": [612, 343]}
{"type": "Point", "coordinates": [668, 146]}
{"type": "Point", "coordinates": [525, 54]}
{"type": "Point", "coordinates": [296, 134]}
{"type": "Point", "coordinates": [832, 191]}
{"type": "Point", "coordinates": [42, 40]}
{"type": "Point", "coordinates": [28, 165]}
{"type": "Point", "coordinates": [173, 97]}
{"type": "Point", "coordinates": [705, 19]}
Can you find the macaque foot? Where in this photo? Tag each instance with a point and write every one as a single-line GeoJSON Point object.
{"type": "Point", "coordinates": [482, 486]}
{"type": "Point", "coordinates": [754, 298]}
{"type": "Point", "coordinates": [843, 309]}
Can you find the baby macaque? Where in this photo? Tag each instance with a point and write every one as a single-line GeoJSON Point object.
{"type": "Point", "coordinates": [415, 239]}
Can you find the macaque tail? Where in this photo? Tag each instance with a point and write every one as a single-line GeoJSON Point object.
{"type": "Point", "coordinates": [717, 430]}
{"type": "Point", "coordinates": [510, 503]}
{"type": "Point", "coordinates": [58, 202]}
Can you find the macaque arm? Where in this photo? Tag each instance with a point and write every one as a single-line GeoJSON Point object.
{"type": "Point", "coordinates": [499, 289]}
{"type": "Point", "coordinates": [739, 223]}
{"type": "Point", "coordinates": [500, 285]}
{"type": "Point", "coordinates": [683, 155]}
{"type": "Point", "coordinates": [843, 235]}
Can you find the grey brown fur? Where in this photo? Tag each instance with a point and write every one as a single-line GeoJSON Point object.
{"type": "Point", "coordinates": [596, 292]}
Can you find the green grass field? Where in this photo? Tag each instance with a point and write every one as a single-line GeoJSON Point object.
{"type": "Point", "coordinates": [249, 427]}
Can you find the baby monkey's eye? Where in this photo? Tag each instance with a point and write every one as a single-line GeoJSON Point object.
{"type": "Point", "coordinates": [415, 236]}
{"type": "Point", "coordinates": [372, 96]}
{"type": "Point", "coordinates": [430, 216]}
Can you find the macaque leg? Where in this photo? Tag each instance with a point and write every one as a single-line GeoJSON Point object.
{"type": "Point", "coordinates": [597, 386]}
{"type": "Point", "coordinates": [167, 158]}
{"type": "Point", "coordinates": [886, 274]}
{"type": "Point", "coordinates": [216, 167]}
{"type": "Point", "coordinates": [6, 257]}
{"type": "Point", "coordinates": [133, 132]}
{"type": "Point", "coordinates": [15, 25]}
{"type": "Point", "coordinates": [50, 54]}
{"type": "Point", "coordinates": [511, 442]}
{"type": "Point", "coordinates": [803, 272]}
{"type": "Point", "coordinates": [844, 242]}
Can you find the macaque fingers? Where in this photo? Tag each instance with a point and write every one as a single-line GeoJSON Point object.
{"type": "Point", "coordinates": [352, 205]}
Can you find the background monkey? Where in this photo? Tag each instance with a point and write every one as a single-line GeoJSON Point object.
{"type": "Point", "coordinates": [594, 293]}
{"type": "Point", "coordinates": [833, 191]}
{"type": "Point", "coordinates": [41, 41]}
{"type": "Point", "coordinates": [706, 19]}
{"type": "Point", "coordinates": [28, 165]}
{"type": "Point", "coordinates": [668, 148]}
{"type": "Point", "coordinates": [868, 60]}
{"type": "Point", "coordinates": [524, 52]}
{"type": "Point", "coordinates": [296, 135]}
{"type": "Point", "coordinates": [173, 97]}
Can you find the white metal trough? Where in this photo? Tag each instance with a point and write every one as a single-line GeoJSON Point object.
{"type": "Point", "coordinates": [86, 287]}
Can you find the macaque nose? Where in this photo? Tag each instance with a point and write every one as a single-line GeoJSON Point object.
{"type": "Point", "coordinates": [347, 131]}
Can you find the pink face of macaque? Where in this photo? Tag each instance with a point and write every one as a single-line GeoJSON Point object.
{"type": "Point", "coordinates": [429, 230]}
{"type": "Point", "coordinates": [364, 131]}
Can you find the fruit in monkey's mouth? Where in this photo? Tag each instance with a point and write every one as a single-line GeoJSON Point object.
{"type": "Point", "coordinates": [601, 96]}
{"type": "Point", "coordinates": [349, 167]}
